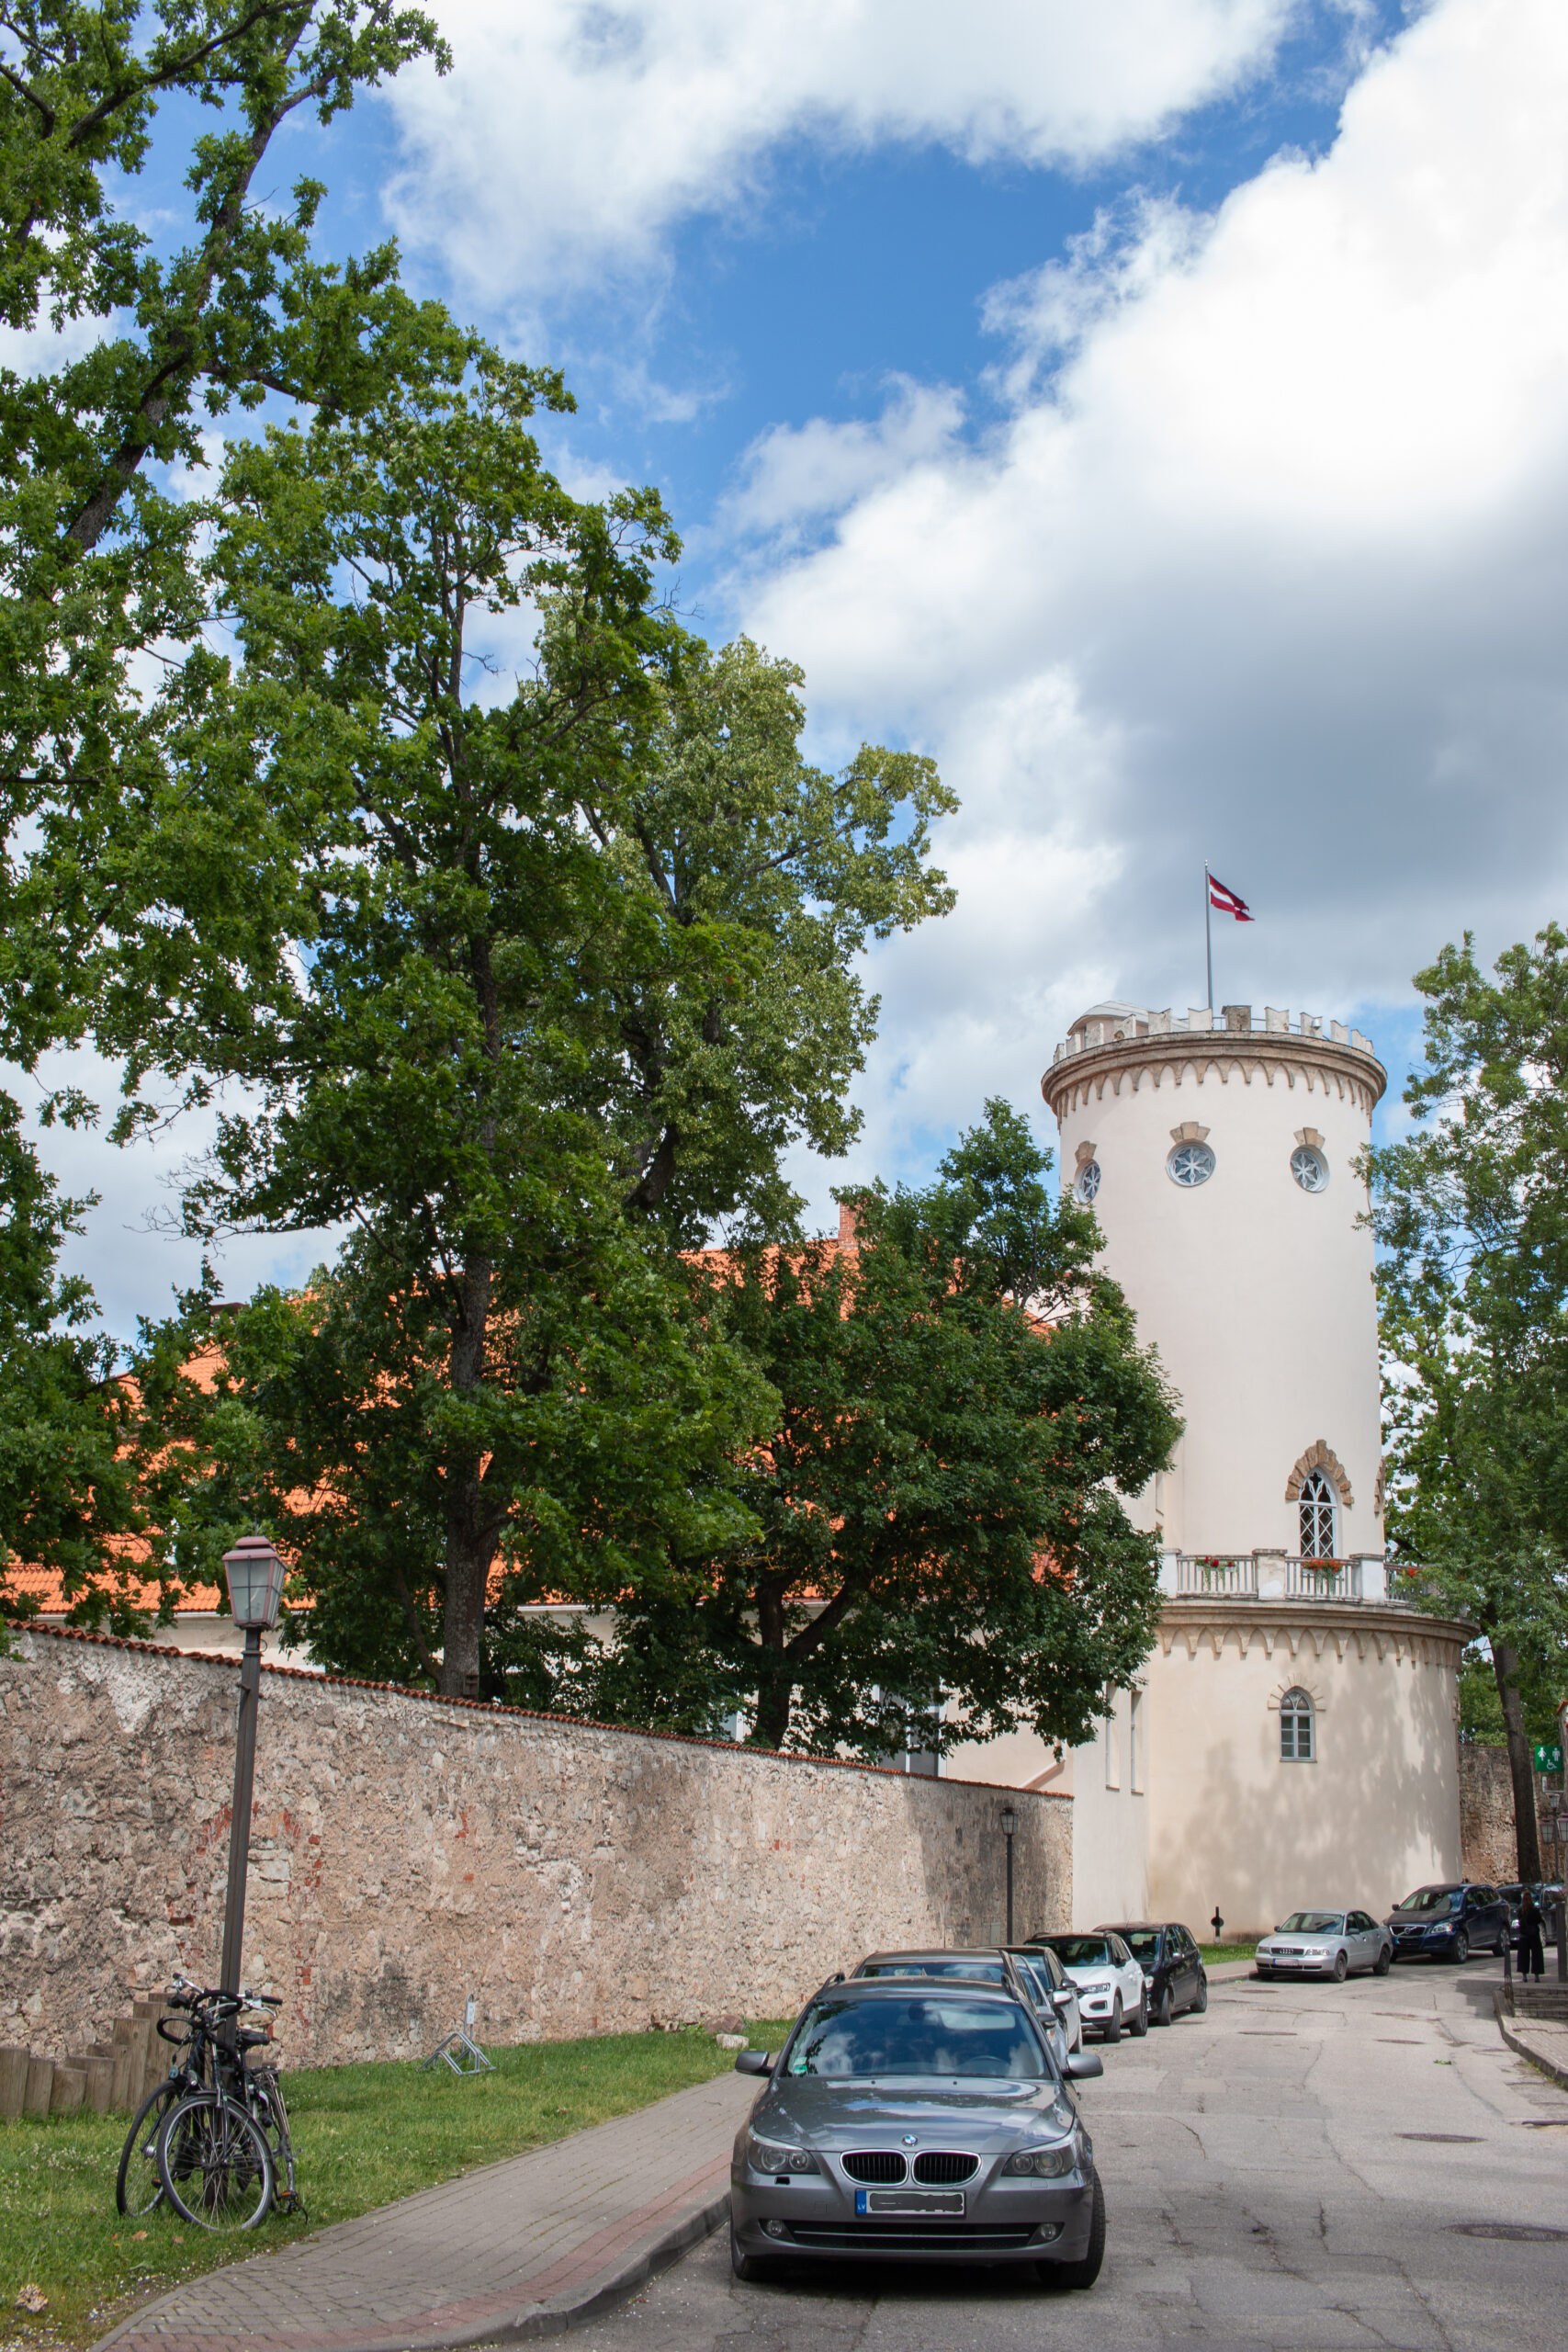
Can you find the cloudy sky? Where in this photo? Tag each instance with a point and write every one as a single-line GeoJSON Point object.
{"type": "Point", "coordinates": [1157, 412]}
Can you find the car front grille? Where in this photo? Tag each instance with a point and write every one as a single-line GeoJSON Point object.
{"type": "Point", "coordinates": [946, 2165]}
{"type": "Point", "coordinates": [874, 2164]}
{"type": "Point", "coordinates": [897, 2236]}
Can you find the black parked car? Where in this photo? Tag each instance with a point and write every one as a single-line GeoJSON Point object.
{"type": "Point", "coordinates": [1172, 1966]}
{"type": "Point", "coordinates": [1449, 1922]}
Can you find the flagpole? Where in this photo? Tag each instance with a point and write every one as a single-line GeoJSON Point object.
{"type": "Point", "coordinates": [1208, 940]}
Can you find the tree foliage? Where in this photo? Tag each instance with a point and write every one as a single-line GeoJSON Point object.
{"type": "Point", "coordinates": [938, 1508]}
{"type": "Point", "coordinates": [1473, 1212]}
{"type": "Point", "coordinates": [520, 991]}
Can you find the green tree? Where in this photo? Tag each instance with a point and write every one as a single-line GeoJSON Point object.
{"type": "Point", "coordinates": [938, 1505]}
{"type": "Point", "coordinates": [420, 918]}
{"type": "Point", "coordinates": [134, 351]}
{"type": "Point", "coordinates": [1470, 1210]}
{"type": "Point", "coordinates": [87, 1470]}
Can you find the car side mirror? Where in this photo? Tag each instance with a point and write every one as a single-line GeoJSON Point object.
{"type": "Point", "coordinates": [1084, 2065]}
{"type": "Point", "coordinates": [1064, 1998]}
{"type": "Point", "coordinates": [753, 2062]}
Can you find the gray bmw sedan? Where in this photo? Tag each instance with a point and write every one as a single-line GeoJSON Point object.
{"type": "Point", "coordinates": [924, 2124]}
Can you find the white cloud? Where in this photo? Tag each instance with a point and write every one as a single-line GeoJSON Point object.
{"type": "Point", "coordinates": [572, 135]}
{"type": "Point", "coordinates": [1267, 569]}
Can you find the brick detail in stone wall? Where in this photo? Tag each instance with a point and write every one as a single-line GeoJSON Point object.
{"type": "Point", "coordinates": [408, 1851]}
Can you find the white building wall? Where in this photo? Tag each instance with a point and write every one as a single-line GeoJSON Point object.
{"type": "Point", "coordinates": [1258, 1295]}
{"type": "Point", "coordinates": [1109, 1781]}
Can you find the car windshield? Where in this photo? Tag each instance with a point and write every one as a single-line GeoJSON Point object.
{"type": "Point", "coordinates": [1083, 1951]}
{"type": "Point", "coordinates": [1434, 1898]}
{"type": "Point", "coordinates": [1142, 1942]}
{"type": "Point", "coordinates": [1312, 1923]}
{"type": "Point", "coordinates": [974, 1972]}
{"type": "Point", "coordinates": [860, 2040]}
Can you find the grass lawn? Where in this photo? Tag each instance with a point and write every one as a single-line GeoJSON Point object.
{"type": "Point", "coordinates": [363, 2135]}
{"type": "Point", "coordinates": [1213, 1952]}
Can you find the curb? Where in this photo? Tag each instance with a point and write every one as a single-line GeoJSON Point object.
{"type": "Point", "coordinates": [1548, 2066]}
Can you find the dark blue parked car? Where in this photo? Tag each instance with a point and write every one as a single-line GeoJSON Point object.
{"type": "Point", "coordinates": [1449, 1922]}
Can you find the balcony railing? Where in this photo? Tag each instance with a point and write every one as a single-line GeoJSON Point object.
{"type": "Point", "coordinates": [1277, 1576]}
{"type": "Point", "coordinates": [1323, 1579]}
{"type": "Point", "coordinates": [1217, 1572]}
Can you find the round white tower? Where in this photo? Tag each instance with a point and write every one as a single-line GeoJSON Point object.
{"type": "Point", "coordinates": [1220, 1155]}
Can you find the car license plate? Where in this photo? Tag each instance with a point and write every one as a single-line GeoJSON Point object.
{"type": "Point", "coordinates": [909, 2200]}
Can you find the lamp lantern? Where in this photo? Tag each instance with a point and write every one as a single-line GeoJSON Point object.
{"type": "Point", "coordinates": [255, 1577]}
{"type": "Point", "coordinates": [1010, 1821]}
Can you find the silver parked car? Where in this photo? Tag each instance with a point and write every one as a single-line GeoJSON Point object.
{"type": "Point", "coordinates": [990, 1964]}
{"type": "Point", "coordinates": [1040, 1965]}
{"type": "Point", "coordinates": [1326, 1943]}
{"type": "Point", "coordinates": [921, 2123]}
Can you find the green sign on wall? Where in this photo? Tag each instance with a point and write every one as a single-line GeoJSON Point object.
{"type": "Point", "coordinates": [1547, 1757]}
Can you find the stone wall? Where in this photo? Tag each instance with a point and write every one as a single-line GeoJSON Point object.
{"type": "Point", "coordinates": [407, 1851]}
{"type": "Point", "coordinates": [1486, 1815]}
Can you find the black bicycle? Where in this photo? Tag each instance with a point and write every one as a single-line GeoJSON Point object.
{"type": "Point", "coordinates": [222, 2144]}
{"type": "Point", "coordinates": [139, 2185]}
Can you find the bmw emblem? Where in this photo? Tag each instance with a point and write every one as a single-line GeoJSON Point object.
{"type": "Point", "coordinates": [912, 2139]}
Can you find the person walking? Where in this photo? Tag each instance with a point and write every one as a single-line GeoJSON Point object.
{"type": "Point", "coordinates": [1532, 1955]}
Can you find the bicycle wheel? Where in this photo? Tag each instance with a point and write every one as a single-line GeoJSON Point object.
{"type": "Point", "coordinates": [139, 2187]}
{"type": "Point", "coordinates": [271, 2117]}
{"type": "Point", "coordinates": [214, 2163]}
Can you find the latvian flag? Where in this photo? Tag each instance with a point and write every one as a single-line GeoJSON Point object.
{"type": "Point", "coordinates": [1228, 902]}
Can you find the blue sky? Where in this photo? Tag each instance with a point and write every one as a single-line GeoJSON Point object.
{"type": "Point", "coordinates": [1158, 412]}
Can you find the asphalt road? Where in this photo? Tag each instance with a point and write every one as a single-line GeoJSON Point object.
{"type": "Point", "coordinates": [1303, 2168]}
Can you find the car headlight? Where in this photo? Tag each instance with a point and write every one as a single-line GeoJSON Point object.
{"type": "Point", "coordinates": [1045, 2164]}
{"type": "Point", "coordinates": [1442, 1928]}
{"type": "Point", "coordinates": [766, 2156]}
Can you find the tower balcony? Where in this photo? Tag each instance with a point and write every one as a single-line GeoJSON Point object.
{"type": "Point", "coordinates": [1277, 1576]}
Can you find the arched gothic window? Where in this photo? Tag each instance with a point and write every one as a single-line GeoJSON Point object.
{"type": "Point", "coordinates": [1295, 1729]}
{"type": "Point", "coordinates": [1316, 1517]}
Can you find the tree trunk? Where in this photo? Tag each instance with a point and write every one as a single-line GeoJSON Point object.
{"type": "Point", "coordinates": [1521, 1765]}
{"type": "Point", "coordinates": [470, 1548]}
{"type": "Point", "coordinates": [472, 1526]}
{"type": "Point", "coordinates": [775, 1680]}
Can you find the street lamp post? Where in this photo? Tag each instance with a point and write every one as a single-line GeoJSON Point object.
{"type": "Point", "coordinates": [256, 1595]}
{"type": "Point", "coordinates": [1009, 1823]}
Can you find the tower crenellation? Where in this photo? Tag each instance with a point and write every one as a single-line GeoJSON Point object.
{"type": "Point", "coordinates": [1109, 1024]}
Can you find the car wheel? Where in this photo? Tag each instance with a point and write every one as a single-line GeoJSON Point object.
{"type": "Point", "coordinates": [1139, 2024]}
{"type": "Point", "coordinates": [1085, 2272]}
{"type": "Point", "coordinates": [1461, 1949]}
{"type": "Point", "coordinates": [1162, 2007]}
{"type": "Point", "coordinates": [1341, 1967]}
{"type": "Point", "coordinates": [752, 2270]}
{"type": "Point", "coordinates": [1200, 1997]}
{"type": "Point", "coordinates": [1113, 2027]}
{"type": "Point", "coordinates": [1383, 1962]}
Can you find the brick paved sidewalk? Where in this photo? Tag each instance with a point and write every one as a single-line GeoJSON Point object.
{"type": "Point", "coordinates": [1540, 2040]}
{"type": "Point", "coordinates": [523, 2248]}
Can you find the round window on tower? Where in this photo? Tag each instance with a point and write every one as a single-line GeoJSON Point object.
{"type": "Point", "coordinates": [1189, 1164]}
{"type": "Point", "coordinates": [1309, 1167]}
{"type": "Point", "coordinates": [1086, 1184]}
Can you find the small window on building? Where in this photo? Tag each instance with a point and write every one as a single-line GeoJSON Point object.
{"type": "Point", "coordinates": [1316, 1517]}
{"type": "Point", "coordinates": [1295, 1729]}
{"type": "Point", "coordinates": [1087, 1182]}
{"type": "Point", "coordinates": [1189, 1164]}
{"type": "Point", "coordinates": [1136, 1742]}
{"type": "Point", "coordinates": [1112, 1774]}
{"type": "Point", "coordinates": [1309, 1167]}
